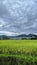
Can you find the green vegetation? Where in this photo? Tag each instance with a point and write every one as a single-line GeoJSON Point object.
{"type": "Point", "coordinates": [18, 52]}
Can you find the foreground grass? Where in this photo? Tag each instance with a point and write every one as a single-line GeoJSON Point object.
{"type": "Point", "coordinates": [23, 52]}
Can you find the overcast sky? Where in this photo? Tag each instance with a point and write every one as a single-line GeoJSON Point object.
{"type": "Point", "coordinates": [18, 16]}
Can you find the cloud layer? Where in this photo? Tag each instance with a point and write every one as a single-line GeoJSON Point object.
{"type": "Point", "coordinates": [18, 16]}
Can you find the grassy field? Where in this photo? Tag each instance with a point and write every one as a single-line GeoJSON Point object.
{"type": "Point", "coordinates": [23, 51]}
{"type": "Point", "coordinates": [18, 47]}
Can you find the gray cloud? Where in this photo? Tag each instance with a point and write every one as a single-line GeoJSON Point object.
{"type": "Point", "coordinates": [18, 16]}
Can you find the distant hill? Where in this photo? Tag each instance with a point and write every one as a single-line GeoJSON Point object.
{"type": "Point", "coordinates": [22, 36]}
{"type": "Point", "coordinates": [29, 36]}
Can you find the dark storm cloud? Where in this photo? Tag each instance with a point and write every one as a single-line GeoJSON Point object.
{"type": "Point", "coordinates": [18, 16]}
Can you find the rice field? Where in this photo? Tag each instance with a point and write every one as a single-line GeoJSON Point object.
{"type": "Point", "coordinates": [18, 47]}
{"type": "Point", "coordinates": [25, 51]}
